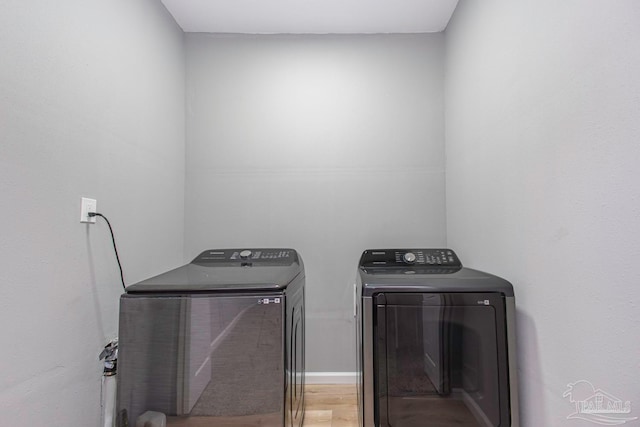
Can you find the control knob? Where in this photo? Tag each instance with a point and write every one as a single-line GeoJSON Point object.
{"type": "Point", "coordinates": [245, 254]}
{"type": "Point", "coordinates": [409, 257]}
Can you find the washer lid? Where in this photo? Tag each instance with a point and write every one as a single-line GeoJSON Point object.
{"type": "Point", "coordinates": [228, 270]}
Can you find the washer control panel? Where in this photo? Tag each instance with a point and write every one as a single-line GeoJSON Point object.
{"type": "Point", "coordinates": [269, 256]}
{"type": "Point", "coordinates": [410, 257]}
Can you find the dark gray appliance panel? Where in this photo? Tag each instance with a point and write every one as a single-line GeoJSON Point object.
{"type": "Point", "coordinates": [439, 357]}
{"type": "Point", "coordinates": [295, 367]}
{"type": "Point", "coordinates": [202, 356]}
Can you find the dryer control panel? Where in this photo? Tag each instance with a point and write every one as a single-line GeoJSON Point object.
{"type": "Point", "coordinates": [409, 257]}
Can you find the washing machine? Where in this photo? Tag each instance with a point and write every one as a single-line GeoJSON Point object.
{"type": "Point", "coordinates": [435, 342]}
{"type": "Point", "coordinates": [218, 341]}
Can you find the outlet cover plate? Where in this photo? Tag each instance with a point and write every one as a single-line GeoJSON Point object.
{"type": "Point", "coordinates": [86, 206]}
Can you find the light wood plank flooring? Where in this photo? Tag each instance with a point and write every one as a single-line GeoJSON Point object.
{"type": "Point", "coordinates": [330, 406]}
{"type": "Point", "coordinates": [326, 406]}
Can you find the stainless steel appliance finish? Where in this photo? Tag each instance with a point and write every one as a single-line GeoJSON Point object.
{"type": "Point", "coordinates": [219, 341]}
{"type": "Point", "coordinates": [436, 342]}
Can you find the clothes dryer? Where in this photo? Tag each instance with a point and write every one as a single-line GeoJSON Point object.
{"type": "Point", "coordinates": [436, 342]}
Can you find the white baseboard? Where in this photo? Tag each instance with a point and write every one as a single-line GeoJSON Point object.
{"type": "Point", "coordinates": [330, 377]}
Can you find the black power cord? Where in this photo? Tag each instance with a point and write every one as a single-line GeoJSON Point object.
{"type": "Point", "coordinates": [113, 239]}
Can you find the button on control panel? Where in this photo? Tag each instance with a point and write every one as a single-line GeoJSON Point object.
{"type": "Point", "coordinates": [409, 257]}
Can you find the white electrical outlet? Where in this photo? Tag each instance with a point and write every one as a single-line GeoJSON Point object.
{"type": "Point", "coordinates": [88, 205]}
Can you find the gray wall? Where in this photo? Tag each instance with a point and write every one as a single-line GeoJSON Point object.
{"type": "Point", "coordinates": [543, 130]}
{"type": "Point", "coordinates": [91, 104]}
{"type": "Point", "coordinates": [327, 144]}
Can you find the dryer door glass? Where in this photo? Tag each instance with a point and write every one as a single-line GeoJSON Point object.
{"type": "Point", "coordinates": [440, 360]}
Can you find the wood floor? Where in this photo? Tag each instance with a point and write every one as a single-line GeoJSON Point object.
{"type": "Point", "coordinates": [326, 406]}
{"type": "Point", "coordinates": [330, 406]}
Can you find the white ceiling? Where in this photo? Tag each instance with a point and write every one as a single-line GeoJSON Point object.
{"type": "Point", "coordinates": [311, 16]}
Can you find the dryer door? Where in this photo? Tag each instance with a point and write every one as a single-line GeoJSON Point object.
{"type": "Point", "coordinates": [440, 360]}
